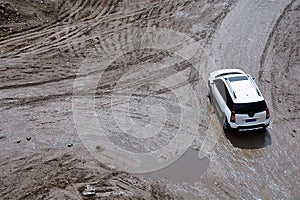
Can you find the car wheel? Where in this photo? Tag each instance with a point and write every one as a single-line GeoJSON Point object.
{"type": "Point", "coordinates": [226, 125]}
{"type": "Point", "coordinates": [209, 97]}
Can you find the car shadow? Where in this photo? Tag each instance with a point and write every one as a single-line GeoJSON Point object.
{"type": "Point", "coordinates": [249, 139]}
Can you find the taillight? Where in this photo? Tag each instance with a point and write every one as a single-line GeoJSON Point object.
{"type": "Point", "coordinates": [267, 113]}
{"type": "Point", "coordinates": [232, 116]}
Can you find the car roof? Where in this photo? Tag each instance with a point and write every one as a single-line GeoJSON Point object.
{"type": "Point", "coordinates": [242, 88]}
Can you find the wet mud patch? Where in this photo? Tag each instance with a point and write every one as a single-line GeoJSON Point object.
{"type": "Point", "coordinates": [189, 168]}
{"type": "Point", "coordinates": [249, 139]}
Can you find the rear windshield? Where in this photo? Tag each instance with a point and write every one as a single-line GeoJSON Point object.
{"type": "Point", "coordinates": [245, 108]}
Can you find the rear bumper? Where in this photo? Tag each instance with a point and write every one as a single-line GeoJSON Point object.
{"type": "Point", "coordinates": [250, 127]}
{"type": "Point", "coordinates": [254, 127]}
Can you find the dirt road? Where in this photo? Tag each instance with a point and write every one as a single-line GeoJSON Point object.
{"type": "Point", "coordinates": [257, 37]}
{"type": "Point", "coordinates": [49, 50]}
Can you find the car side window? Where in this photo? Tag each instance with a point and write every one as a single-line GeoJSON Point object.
{"type": "Point", "coordinates": [221, 88]}
{"type": "Point", "coordinates": [224, 92]}
{"type": "Point", "coordinates": [228, 100]}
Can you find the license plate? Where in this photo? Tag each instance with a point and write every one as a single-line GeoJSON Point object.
{"type": "Point", "coordinates": [250, 120]}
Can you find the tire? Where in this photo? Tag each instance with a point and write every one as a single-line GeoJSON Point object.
{"type": "Point", "coordinates": [209, 97]}
{"type": "Point", "coordinates": [225, 123]}
{"type": "Point", "coordinates": [226, 126]}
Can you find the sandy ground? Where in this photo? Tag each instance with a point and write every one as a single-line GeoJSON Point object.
{"type": "Point", "coordinates": [44, 46]}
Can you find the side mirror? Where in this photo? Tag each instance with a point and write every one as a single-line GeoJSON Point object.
{"type": "Point", "coordinates": [253, 78]}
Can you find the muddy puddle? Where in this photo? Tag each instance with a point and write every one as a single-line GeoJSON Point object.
{"type": "Point", "coordinates": [187, 169]}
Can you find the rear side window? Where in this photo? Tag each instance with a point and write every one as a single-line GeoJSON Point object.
{"type": "Point", "coordinates": [224, 92]}
{"type": "Point", "coordinates": [245, 108]}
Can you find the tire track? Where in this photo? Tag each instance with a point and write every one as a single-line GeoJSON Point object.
{"type": "Point", "coordinates": [40, 64]}
{"type": "Point", "coordinates": [265, 53]}
{"type": "Point", "coordinates": [70, 38]}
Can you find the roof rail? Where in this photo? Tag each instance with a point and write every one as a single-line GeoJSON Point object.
{"type": "Point", "coordinates": [226, 79]}
{"type": "Point", "coordinates": [253, 83]}
{"type": "Point", "coordinates": [258, 92]}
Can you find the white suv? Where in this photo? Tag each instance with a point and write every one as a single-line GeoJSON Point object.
{"type": "Point", "coordinates": [237, 100]}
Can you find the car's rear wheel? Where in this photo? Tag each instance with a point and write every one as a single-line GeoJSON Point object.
{"type": "Point", "coordinates": [226, 125]}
